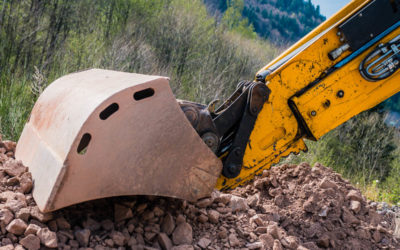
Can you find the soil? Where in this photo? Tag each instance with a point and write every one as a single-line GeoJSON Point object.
{"type": "Point", "coordinates": [288, 207]}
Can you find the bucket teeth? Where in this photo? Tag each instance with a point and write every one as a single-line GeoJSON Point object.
{"type": "Point", "coordinates": [101, 133]}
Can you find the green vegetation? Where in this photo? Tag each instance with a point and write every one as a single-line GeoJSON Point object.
{"type": "Point", "coordinates": [280, 21]}
{"type": "Point", "coordinates": [43, 40]}
{"type": "Point", "coordinates": [366, 151]}
{"type": "Point", "coordinates": [204, 57]}
{"type": "Point", "coordinates": [234, 21]}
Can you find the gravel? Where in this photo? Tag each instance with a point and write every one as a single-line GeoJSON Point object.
{"type": "Point", "coordinates": [288, 207]}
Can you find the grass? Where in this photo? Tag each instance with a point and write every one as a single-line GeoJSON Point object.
{"type": "Point", "coordinates": [365, 151]}
{"type": "Point", "coordinates": [174, 38]}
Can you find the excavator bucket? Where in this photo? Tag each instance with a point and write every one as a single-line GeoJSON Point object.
{"type": "Point", "coordinates": [101, 133]}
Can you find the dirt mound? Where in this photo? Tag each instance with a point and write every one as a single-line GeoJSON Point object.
{"type": "Point", "coordinates": [316, 208]}
{"type": "Point", "coordinates": [292, 207]}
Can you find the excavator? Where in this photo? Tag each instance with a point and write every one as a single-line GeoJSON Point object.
{"type": "Point", "coordinates": [102, 133]}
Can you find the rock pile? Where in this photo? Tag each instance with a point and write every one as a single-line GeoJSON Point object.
{"type": "Point", "coordinates": [289, 207]}
{"type": "Point", "coordinates": [391, 215]}
{"type": "Point", "coordinates": [316, 208]}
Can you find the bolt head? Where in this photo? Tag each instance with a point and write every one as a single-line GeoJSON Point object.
{"type": "Point", "coordinates": [234, 169]}
{"type": "Point", "coordinates": [211, 140]}
{"type": "Point", "coordinates": [340, 94]}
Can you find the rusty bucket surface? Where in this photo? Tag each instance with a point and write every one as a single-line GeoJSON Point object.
{"type": "Point", "coordinates": [102, 133]}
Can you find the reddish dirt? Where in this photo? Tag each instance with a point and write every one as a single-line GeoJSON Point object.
{"type": "Point", "coordinates": [289, 207]}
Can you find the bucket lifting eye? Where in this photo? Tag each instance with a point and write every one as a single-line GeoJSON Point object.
{"type": "Point", "coordinates": [142, 94]}
{"type": "Point", "coordinates": [84, 143]}
{"type": "Point", "coordinates": [107, 112]}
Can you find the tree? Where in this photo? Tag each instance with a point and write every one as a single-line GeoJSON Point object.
{"type": "Point", "coordinates": [234, 21]}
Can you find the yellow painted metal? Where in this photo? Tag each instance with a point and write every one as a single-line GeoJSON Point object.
{"type": "Point", "coordinates": [347, 10]}
{"type": "Point", "coordinates": [276, 133]}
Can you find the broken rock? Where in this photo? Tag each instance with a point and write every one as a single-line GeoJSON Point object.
{"type": "Point", "coordinates": [203, 203]}
{"type": "Point", "coordinates": [23, 214]}
{"type": "Point", "coordinates": [30, 242]}
{"type": "Point", "coordinates": [15, 205]}
{"type": "Point", "coordinates": [354, 195]}
{"type": "Point", "coordinates": [32, 229]}
{"type": "Point", "coordinates": [182, 234]}
{"type": "Point", "coordinates": [122, 212]}
{"type": "Point", "coordinates": [355, 206]}
{"type": "Point", "coordinates": [118, 238]}
{"type": "Point", "coordinates": [25, 183]}
{"type": "Point", "coordinates": [233, 240]}
{"type": "Point", "coordinates": [289, 242]}
{"type": "Point", "coordinates": [326, 183]}
{"type": "Point", "coordinates": [203, 218]}
{"type": "Point", "coordinates": [9, 145]}
{"type": "Point", "coordinates": [82, 236]}
{"type": "Point", "coordinates": [255, 245]}
{"type": "Point", "coordinates": [348, 217]}
{"type": "Point", "coordinates": [14, 168]}
{"type": "Point", "coordinates": [6, 216]}
{"type": "Point", "coordinates": [164, 241]}
{"type": "Point", "coordinates": [204, 242]}
{"type": "Point", "coordinates": [47, 237]}
{"type": "Point", "coordinates": [42, 217]}
{"type": "Point", "coordinates": [183, 247]}
{"type": "Point", "coordinates": [257, 220]}
{"type": "Point", "coordinates": [168, 224]}
{"type": "Point", "coordinates": [238, 204]}
{"type": "Point", "coordinates": [267, 240]}
{"type": "Point", "coordinates": [221, 197]}
{"type": "Point", "coordinates": [17, 227]}
{"type": "Point", "coordinates": [63, 224]}
{"type": "Point", "coordinates": [277, 245]}
{"type": "Point", "coordinates": [213, 216]}
{"type": "Point", "coordinates": [253, 200]}
{"type": "Point", "coordinates": [91, 224]}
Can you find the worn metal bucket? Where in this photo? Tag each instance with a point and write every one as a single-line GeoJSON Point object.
{"type": "Point", "coordinates": [102, 133]}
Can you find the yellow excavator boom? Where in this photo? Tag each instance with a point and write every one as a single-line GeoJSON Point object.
{"type": "Point", "coordinates": [312, 94]}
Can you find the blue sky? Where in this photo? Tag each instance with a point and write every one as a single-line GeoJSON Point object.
{"type": "Point", "coordinates": [330, 7]}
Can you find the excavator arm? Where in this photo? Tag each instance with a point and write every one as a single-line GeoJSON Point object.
{"type": "Point", "coordinates": [100, 133]}
{"type": "Point", "coordinates": [345, 66]}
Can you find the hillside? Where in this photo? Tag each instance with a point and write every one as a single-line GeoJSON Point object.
{"type": "Point", "coordinates": [174, 38]}
{"type": "Point", "coordinates": [282, 22]}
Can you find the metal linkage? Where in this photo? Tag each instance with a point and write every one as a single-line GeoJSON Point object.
{"type": "Point", "coordinates": [226, 130]}
{"type": "Point", "coordinates": [381, 62]}
{"type": "Point", "coordinates": [200, 118]}
{"type": "Point", "coordinates": [256, 95]}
